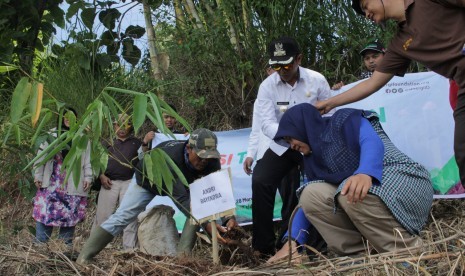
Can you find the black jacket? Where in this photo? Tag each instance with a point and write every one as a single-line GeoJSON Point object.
{"type": "Point", "coordinates": [181, 195]}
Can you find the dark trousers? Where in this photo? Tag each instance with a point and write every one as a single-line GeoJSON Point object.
{"type": "Point", "coordinates": [266, 179]}
{"type": "Point", "coordinates": [459, 135]}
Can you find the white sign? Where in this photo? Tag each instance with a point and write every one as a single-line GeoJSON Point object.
{"type": "Point", "coordinates": [211, 195]}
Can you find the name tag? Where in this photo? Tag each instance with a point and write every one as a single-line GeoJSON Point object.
{"type": "Point", "coordinates": [282, 103]}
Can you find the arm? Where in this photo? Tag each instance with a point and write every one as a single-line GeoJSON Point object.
{"type": "Point", "coordinates": [269, 122]}
{"type": "Point", "coordinates": [147, 140]}
{"type": "Point", "coordinates": [39, 170]}
{"type": "Point", "coordinates": [370, 169]}
{"type": "Point", "coordinates": [87, 169]}
{"type": "Point", "coordinates": [325, 92]}
{"type": "Point", "coordinates": [253, 141]}
{"type": "Point", "coordinates": [265, 106]}
{"type": "Point", "coordinates": [356, 93]}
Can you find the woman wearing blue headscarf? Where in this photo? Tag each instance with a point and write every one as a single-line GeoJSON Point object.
{"type": "Point", "coordinates": [361, 187]}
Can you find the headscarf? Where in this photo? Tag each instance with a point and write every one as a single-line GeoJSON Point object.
{"type": "Point", "coordinates": [334, 140]}
{"type": "Point", "coordinates": [64, 128]}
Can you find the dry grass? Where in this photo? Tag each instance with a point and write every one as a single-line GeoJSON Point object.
{"type": "Point", "coordinates": [441, 253]}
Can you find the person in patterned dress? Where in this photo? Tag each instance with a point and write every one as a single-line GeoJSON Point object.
{"type": "Point", "coordinates": [58, 203]}
{"type": "Point", "coordinates": [361, 187]}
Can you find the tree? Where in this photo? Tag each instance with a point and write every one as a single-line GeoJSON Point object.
{"type": "Point", "coordinates": [27, 26]}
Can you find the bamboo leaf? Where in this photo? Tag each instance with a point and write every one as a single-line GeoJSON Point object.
{"type": "Point", "coordinates": [19, 99]}
{"type": "Point", "coordinates": [76, 169]}
{"type": "Point", "coordinates": [57, 145]}
{"type": "Point", "coordinates": [7, 68]}
{"type": "Point", "coordinates": [139, 111]}
{"type": "Point", "coordinates": [125, 91]}
{"type": "Point", "coordinates": [167, 108]}
{"type": "Point", "coordinates": [112, 104]}
{"type": "Point", "coordinates": [165, 177]}
{"type": "Point", "coordinates": [82, 143]}
{"type": "Point", "coordinates": [7, 135]}
{"type": "Point", "coordinates": [71, 117]}
{"type": "Point", "coordinates": [175, 168]}
{"type": "Point", "coordinates": [166, 174]}
{"type": "Point", "coordinates": [148, 164]}
{"type": "Point", "coordinates": [44, 121]}
{"type": "Point", "coordinates": [35, 104]}
{"type": "Point", "coordinates": [158, 179]}
{"type": "Point", "coordinates": [157, 112]}
{"type": "Point", "coordinates": [151, 115]}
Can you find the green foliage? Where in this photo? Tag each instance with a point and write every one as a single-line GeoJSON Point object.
{"type": "Point", "coordinates": [88, 17]}
{"type": "Point", "coordinates": [19, 100]}
{"type": "Point", "coordinates": [25, 26]}
{"type": "Point", "coordinates": [216, 69]}
{"type": "Point", "coordinates": [140, 111]}
{"type": "Point", "coordinates": [112, 43]}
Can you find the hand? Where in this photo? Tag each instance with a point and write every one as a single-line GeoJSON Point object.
{"type": "Point", "coordinates": [324, 106]}
{"type": "Point", "coordinates": [38, 184]}
{"type": "Point", "coordinates": [87, 186]}
{"type": "Point", "coordinates": [248, 165]}
{"type": "Point", "coordinates": [337, 86]}
{"type": "Point", "coordinates": [220, 229]}
{"type": "Point", "coordinates": [232, 223]}
{"type": "Point", "coordinates": [106, 182]}
{"type": "Point", "coordinates": [356, 187]}
{"type": "Point", "coordinates": [149, 137]}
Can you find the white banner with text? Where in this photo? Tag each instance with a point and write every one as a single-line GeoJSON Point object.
{"type": "Point", "coordinates": [415, 113]}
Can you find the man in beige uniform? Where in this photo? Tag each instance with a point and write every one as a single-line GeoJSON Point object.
{"type": "Point", "coordinates": [430, 32]}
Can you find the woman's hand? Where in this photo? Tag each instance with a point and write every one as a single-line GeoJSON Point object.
{"type": "Point", "coordinates": [38, 184]}
{"type": "Point", "coordinates": [87, 186]}
{"type": "Point", "coordinates": [356, 187]}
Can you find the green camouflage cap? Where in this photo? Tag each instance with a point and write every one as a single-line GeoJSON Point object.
{"type": "Point", "coordinates": [204, 142]}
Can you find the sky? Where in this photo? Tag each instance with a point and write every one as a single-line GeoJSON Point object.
{"type": "Point", "coordinates": [132, 17]}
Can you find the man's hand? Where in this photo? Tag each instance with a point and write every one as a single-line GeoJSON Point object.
{"type": "Point", "coordinates": [220, 229]}
{"type": "Point", "coordinates": [324, 106]}
{"type": "Point", "coordinates": [248, 165]}
{"type": "Point", "coordinates": [87, 186]}
{"type": "Point", "coordinates": [337, 86]}
{"type": "Point", "coordinates": [232, 223]}
{"type": "Point", "coordinates": [356, 187]}
{"type": "Point", "coordinates": [106, 182]}
{"type": "Point", "coordinates": [149, 137]}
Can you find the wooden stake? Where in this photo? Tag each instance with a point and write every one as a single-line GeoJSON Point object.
{"type": "Point", "coordinates": [214, 242]}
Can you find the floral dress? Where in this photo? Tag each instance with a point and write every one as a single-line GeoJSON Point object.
{"type": "Point", "coordinates": [53, 206]}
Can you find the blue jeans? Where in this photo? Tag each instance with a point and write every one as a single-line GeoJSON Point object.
{"type": "Point", "coordinates": [134, 202]}
{"type": "Point", "coordinates": [43, 233]}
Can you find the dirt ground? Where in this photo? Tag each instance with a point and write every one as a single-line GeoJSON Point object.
{"type": "Point", "coordinates": [441, 254]}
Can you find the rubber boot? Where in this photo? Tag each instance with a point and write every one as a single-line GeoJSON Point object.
{"type": "Point", "coordinates": [98, 239]}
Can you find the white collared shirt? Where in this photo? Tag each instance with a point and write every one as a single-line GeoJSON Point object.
{"type": "Point", "coordinates": [258, 142]}
{"type": "Point", "coordinates": [275, 97]}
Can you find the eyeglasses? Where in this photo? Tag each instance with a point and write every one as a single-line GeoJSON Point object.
{"type": "Point", "coordinates": [278, 67]}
